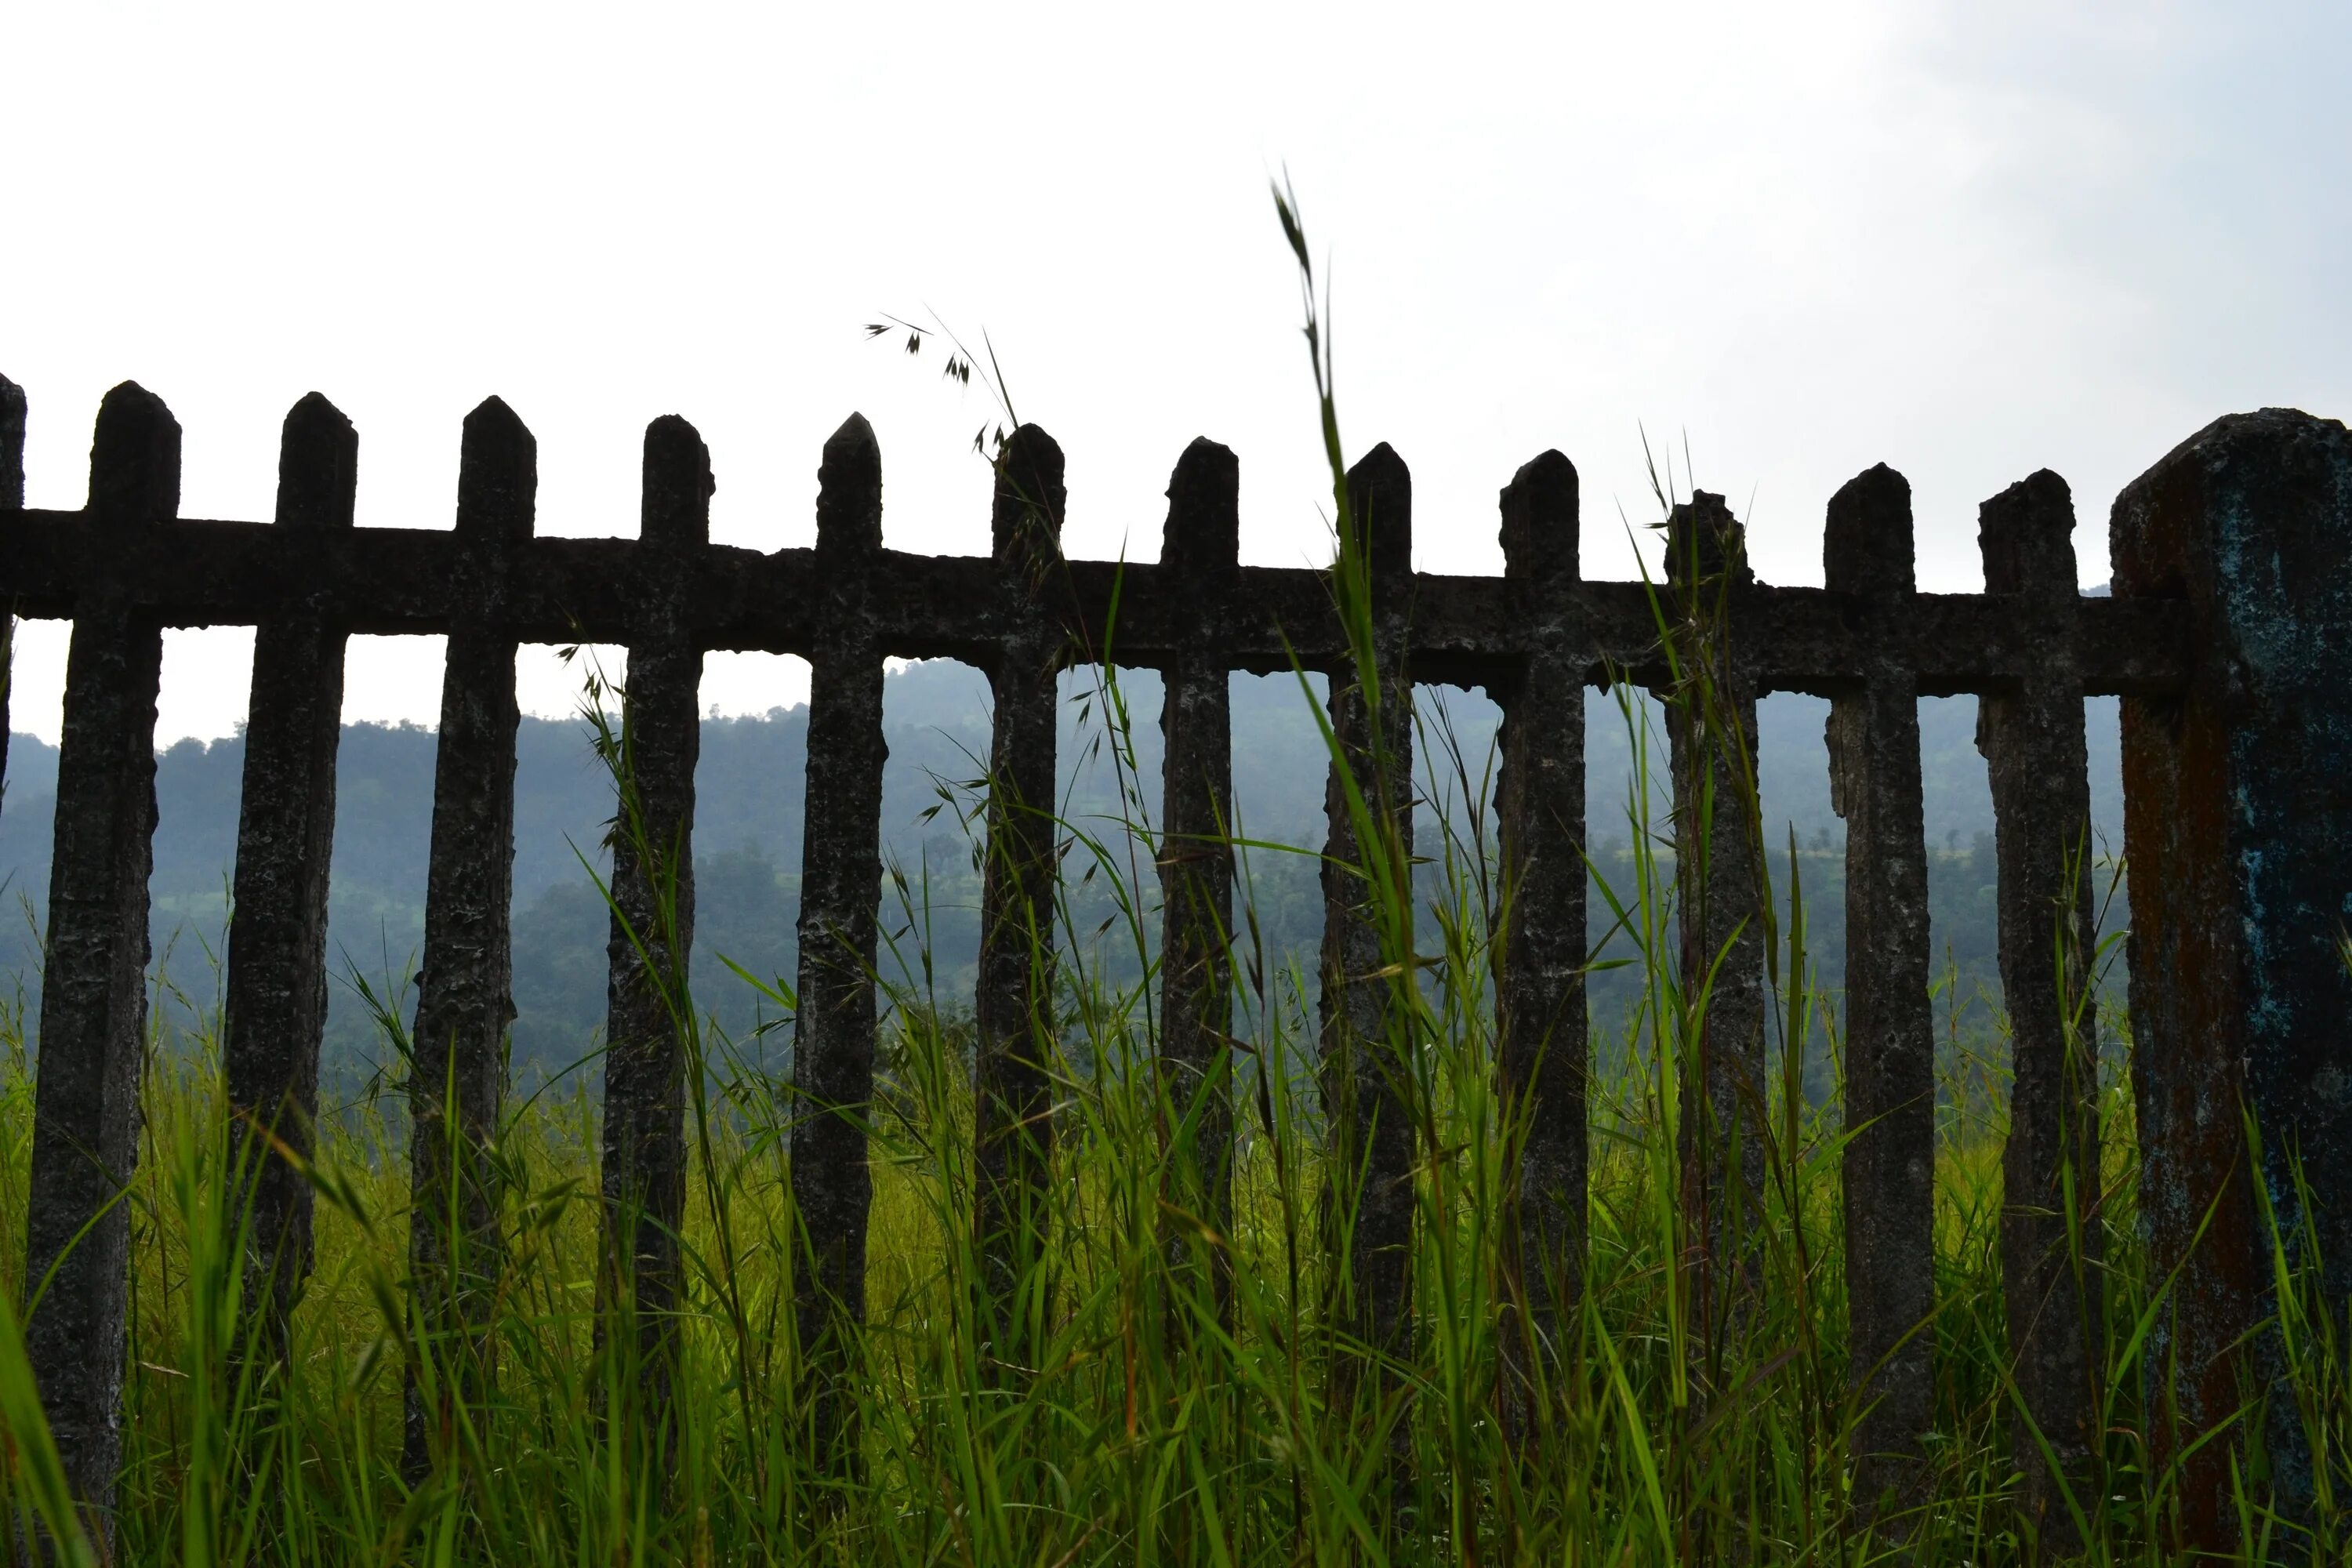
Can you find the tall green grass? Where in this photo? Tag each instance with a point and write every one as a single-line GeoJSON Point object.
{"type": "Point", "coordinates": [1151, 1422]}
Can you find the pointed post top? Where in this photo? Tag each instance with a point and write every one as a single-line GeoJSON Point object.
{"type": "Point", "coordinates": [1379, 495]}
{"type": "Point", "coordinates": [856, 435]}
{"type": "Point", "coordinates": [1704, 540]}
{"type": "Point", "coordinates": [1867, 545]}
{"type": "Point", "coordinates": [495, 410]}
{"type": "Point", "coordinates": [675, 506]}
{"type": "Point", "coordinates": [849, 494]}
{"type": "Point", "coordinates": [1202, 533]}
{"type": "Point", "coordinates": [1030, 495]}
{"type": "Point", "coordinates": [2027, 534]}
{"type": "Point", "coordinates": [498, 476]}
{"type": "Point", "coordinates": [315, 408]}
{"type": "Point", "coordinates": [1542, 511]}
{"type": "Point", "coordinates": [135, 458]}
{"type": "Point", "coordinates": [318, 466]}
{"type": "Point", "coordinates": [1381, 460]}
{"type": "Point", "coordinates": [11, 446]}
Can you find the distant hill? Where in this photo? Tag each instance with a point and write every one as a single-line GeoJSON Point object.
{"type": "Point", "coordinates": [747, 839]}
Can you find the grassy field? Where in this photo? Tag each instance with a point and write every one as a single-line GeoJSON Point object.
{"type": "Point", "coordinates": [1106, 1413]}
{"type": "Point", "coordinates": [1113, 1420]}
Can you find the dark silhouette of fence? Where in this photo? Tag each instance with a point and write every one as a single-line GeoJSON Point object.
{"type": "Point", "coordinates": [2229, 638]}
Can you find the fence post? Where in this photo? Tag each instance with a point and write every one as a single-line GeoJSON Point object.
{"type": "Point", "coordinates": [2238, 830]}
{"type": "Point", "coordinates": [1890, 1048]}
{"type": "Point", "coordinates": [1367, 1066]}
{"type": "Point", "coordinates": [1015, 1011]}
{"type": "Point", "coordinates": [2035, 756]}
{"type": "Point", "coordinates": [457, 1073]}
{"type": "Point", "coordinates": [1543, 1042]}
{"type": "Point", "coordinates": [94, 989]}
{"type": "Point", "coordinates": [1200, 555]}
{"type": "Point", "coordinates": [12, 498]}
{"type": "Point", "coordinates": [275, 994]}
{"type": "Point", "coordinates": [841, 883]}
{"type": "Point", "coordinates": [11, 446]}
{"type": "Point", "coordinates": [1711, 730]}
{"type": "Point", "coordinates": [651, 929]}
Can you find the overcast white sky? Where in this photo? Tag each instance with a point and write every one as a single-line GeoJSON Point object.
{"type": "Point", "coordinates": [1970, 240]}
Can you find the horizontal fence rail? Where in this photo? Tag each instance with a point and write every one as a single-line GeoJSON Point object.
{"type": "Point", "coordinates": [2229, 636]}
{"type": "Point", "coordinates": [388, 581]}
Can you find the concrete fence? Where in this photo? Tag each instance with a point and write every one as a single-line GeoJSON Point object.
{"type": "Point", "coordinates": [2229, 638]}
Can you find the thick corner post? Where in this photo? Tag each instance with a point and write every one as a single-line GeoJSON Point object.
{"type": "Point", "coordinates": [276, 1001]}
{"type": "Point", "coordinates": [840, 888]}
{"type": "Point", "coordinates": [1200, 549]}
{"type": "Point", "coordinates": [457, 1075]}
{"type": "Point", "coordinates": [1367, 1068]}
{"type": "Point", "coordinates": [1543, 1050]}
{"type": "Point", "coordinates": [94, 989]}
{"type": "Point", "coordinates": [2238, 830]}
{"type": "Point", "coordinates": [1015, 1012]}
{"type": "Point", "coordinates": [2035, 756]}
{"type": "Point", "coordinates": [1718, 869]}
{"type": "Point", "coordinates": [1890, 1048]}
{"type": "Point", "coordinates": [648, 1009]}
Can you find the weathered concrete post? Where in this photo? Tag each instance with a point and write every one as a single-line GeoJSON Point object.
{"type": "Point", "coordinates": [12, 498]}
{"type": "Point", "coordinates": [94, 989]}
{"type": "Point", "coordinates": [1719, 870]}
{"type": "Point", "coordinates": [652, 926]}
{"type": "Point", "coordinates": [2238, 829]}
{"type": "Point", "coordinates": [1199, 551]}
{"type": "Point", "coordinates": [11, 446]}
{"type": "Point", "coordinates": [1890, 1046]}
{"type": "Point", "coordinates": [2038, 765]}
{"type": "Point", "coordinates": [1367, 1068]}
{"type": "Point", "coordinates": [1013, 1015]}
{"type": "Point", "coordinates": [457, 1080]}
{"type": "Point", "coordinates": [1543, 1049]}
{"type": "Point", "coordinates": [275, 994]}
{"type": "Point", "coordinates": [841, 885]}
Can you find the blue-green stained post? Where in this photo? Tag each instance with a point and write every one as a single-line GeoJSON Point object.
{"type": "Point", "coordinates": [2238, 829]}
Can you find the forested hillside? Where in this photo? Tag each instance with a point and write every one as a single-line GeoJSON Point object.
{"type": "Point", "coordinates": [748, 835]}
